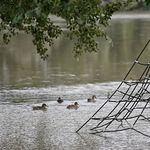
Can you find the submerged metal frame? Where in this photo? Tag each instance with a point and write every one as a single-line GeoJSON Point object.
{"type": "Point", "coordinates": [129, 101]}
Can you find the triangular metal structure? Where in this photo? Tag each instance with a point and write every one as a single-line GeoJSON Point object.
{"type": "Point", "coordinates": [128, 106]}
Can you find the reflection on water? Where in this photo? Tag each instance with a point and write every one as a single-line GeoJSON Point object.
{"type": "Point", "coordinates": [22, 67]}
{"type": "Point", "coordinates": [26, 80]}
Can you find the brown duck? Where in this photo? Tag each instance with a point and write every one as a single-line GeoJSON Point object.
{"type": "Point", "coordinates": [75, 106]}
{"type": "Point", "coordinates": [59, 100]}
{"type": "Point", "coordinates": [40, 107]}
{"type": "Point", "coordinates": [92, 99]}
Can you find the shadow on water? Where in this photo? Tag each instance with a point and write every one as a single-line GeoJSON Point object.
{"type": "Point", "coordinates": [26, 81]}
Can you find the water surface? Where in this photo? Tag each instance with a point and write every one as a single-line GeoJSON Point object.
{"type": "Point", "coordinates": [27, 81]}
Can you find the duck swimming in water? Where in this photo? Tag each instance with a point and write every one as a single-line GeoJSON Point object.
{"type": "Point", "coordinates": [75, 106]}
{"type": "Point", "coordinates": [92, 99]}
{"type": "Point", "coordinates": [40, 107]}
{"type": "Point", "coordinates": [59, 100]}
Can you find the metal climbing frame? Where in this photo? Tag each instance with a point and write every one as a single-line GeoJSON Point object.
{"type": "Point", "coordinates": [129, 105]}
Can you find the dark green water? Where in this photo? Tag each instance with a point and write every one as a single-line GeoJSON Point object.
{"type": "Point", "coordinates": [21, 66]}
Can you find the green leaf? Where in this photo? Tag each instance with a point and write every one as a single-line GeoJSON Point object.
{"type": "Point", "coordinates": [80, 21]}
{"type": "Point", "coordinates": [38, 12]}
{"type": "Point", "coordinates": [44, 16]}
{"type": "Point", "coordinates": [29, 13]}
{"type": "Point", "coordinates": [15, 19]}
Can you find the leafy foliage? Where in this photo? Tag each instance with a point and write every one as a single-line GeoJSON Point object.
{"type": "Point", "coordinates": [84, 19]}
{"type": "Point", "coordinates": [147, 2]}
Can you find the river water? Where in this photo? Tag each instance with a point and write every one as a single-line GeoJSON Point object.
{"type": "Point", "coordinates": [27, 81]}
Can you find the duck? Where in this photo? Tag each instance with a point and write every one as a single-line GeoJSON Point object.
{"type": "Point", "coordinates": [59, 100]}
{"type": "Point", "coordinates": [75, 106]}
{"type": "Point", "coordinates": [92, 99]}
{"type": "Point", "coordinates": [40, 107]}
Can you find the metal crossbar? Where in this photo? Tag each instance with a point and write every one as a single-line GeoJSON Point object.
{"type": "Point", "coordinates": [131, 107]}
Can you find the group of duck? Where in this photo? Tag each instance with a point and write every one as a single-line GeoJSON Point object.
{"type": "Point", "coordinates": [74, 106]}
